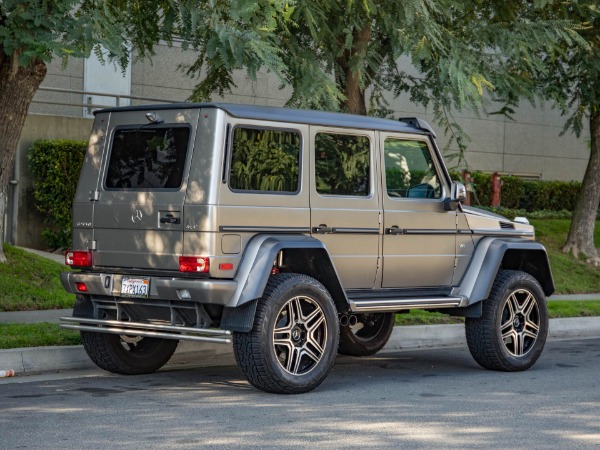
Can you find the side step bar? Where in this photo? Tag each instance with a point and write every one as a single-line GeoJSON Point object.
{"type": "Point", "coordinates": [398, 304]}
{"type": "Point", "coordinates": [147, 330]}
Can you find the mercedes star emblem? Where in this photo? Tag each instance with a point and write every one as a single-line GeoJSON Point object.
{"type": "Point", "coordinates": [136, 217]}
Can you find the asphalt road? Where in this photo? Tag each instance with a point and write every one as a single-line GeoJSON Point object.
{"type": "Point", "coordinates": [410, 399]}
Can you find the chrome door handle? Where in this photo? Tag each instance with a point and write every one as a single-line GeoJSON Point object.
{"type": "Point", "coordinates": [394, 230]}
{"type": "Point", "coordinates": [170, 218]}
{"type": "Point", "coordinates": [323, 229]}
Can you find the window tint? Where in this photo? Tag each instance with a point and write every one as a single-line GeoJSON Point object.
{"type": "Point", "coordinates": [409, 170]}
{"type": "Point", "coordinates": [342, 164]}
{"type": "Point", "coordinates": [265, 160]}
{"type": "Point", "coordinates": [148, 158]}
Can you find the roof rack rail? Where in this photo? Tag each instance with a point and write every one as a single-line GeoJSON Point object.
{"type": "Point", "coordinates": [418, 123]}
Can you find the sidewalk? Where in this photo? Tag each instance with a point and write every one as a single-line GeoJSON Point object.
{"type": "Point", "coordinates": [57, 257]}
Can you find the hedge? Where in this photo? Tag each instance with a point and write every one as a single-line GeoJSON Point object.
{"type": "Point", "coordinates": [55, 167]}
{"type": "Point", "coordinates": [520, 194]}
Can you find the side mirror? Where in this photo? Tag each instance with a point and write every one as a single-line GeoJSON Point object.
{"type": "Point", "coordinates": [458, 193]}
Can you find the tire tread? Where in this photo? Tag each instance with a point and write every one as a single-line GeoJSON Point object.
{"type": "Point", "coordinates": [100, 349]}
{"type": "Point", "coordinates": [247, 346]}
{"type": "Point", "coordinates": [480, 332]}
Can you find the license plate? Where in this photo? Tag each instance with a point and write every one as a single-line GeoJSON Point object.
{"type": "Point", "coordinates": [135, 287]}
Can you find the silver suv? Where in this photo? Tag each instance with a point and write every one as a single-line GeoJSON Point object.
{"type": "Point", "coordinates": [294, 234]}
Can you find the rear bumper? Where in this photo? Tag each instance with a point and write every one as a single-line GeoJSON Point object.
{"type": "Point", "coordinates": [210, 291]}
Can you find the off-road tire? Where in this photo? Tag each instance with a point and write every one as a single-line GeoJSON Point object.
{"type": "Point", "coordinates": [265, 354]}
{"type": "Point", "coordinates": [108, 352]}
{"type": "Point", "coordinates": [368, 336]}
{"type": "Point", "coordinates": [517, 310]}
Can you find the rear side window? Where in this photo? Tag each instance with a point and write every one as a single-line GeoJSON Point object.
{"type": "Point", "coordinates": [265, 159]}
{"type": "Point", "coordinates": [342, 164]}
{"type": "Point", "coordinates": [148, 158]}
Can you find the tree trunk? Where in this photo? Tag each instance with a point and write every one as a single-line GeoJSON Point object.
{"type": "Point", "coordinates": [581, 234]}
{"type": "Point", "coordinates": [17, 87]}
{"type": "Point", "coordinates": [355, 93]}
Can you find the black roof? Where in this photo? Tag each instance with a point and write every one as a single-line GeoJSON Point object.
{"type": "Point", "coordinates": [290, 115]}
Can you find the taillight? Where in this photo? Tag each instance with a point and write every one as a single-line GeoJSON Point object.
{"type": "Point", "coordinates": [78, 258]}
{"type": "Point", "coordinates": [81, 287]}
{"type": "Point", "coordinates": [198, 264]}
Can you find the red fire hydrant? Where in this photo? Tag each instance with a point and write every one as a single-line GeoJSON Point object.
{"type": "Point", "coordinates": [466, 176]}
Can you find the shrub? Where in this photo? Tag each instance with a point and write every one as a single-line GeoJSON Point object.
{"type": "Point", "coordinates": [526, 195]}
{"type": "Point", "coordinates": [481, 188]}
{"type": "Point", "coordinates": [513, 191]}
{"type": "Point", "coordinates": [55, 166]}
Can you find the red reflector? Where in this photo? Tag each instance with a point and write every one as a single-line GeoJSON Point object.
{"type": "Point", "coordinates": [81, 287]}
{"type": "Point", "coordinates": [198, 264]}
{"type": "Point", "coordinates": [225, 266]}
{"type": "Point", "coordinates": [78, 258]}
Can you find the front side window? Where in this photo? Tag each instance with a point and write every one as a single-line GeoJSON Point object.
{"type": "Point", "coordinates": [342, 164]}
{"type": "Point", "coordinates": [409, 170]}
{"type": "Point", "coordinates": [265, 160]}
{"type": "Point", "coordinates": [148, 158]}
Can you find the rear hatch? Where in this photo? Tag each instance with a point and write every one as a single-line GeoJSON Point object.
{"type": "Point", "coordinates": [138, 207]}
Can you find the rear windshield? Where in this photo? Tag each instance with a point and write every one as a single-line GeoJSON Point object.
{"type": "Point", "coordinates": [148, 158]}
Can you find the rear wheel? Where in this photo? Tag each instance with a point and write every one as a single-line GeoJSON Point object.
{"type": "Point", "coordinates": [368, 336]}
{"type": "Point", "coordinates": [293, 343]}
{"type": "Point", "coordinates": [511, 333]}
{"type": "Point", "coordinates": [126, 354]}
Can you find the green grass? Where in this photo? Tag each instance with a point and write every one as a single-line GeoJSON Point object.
{"type": "Point", "coordinates": [420, 317]}
{"type": "Point", "coordinates": [30, 282]}
{"type": "Point", "coordinates": [571, 276]}
{"type": "Point", "coordinates": [561, 309]}
{"type": "Point", "coordinates": [18, 335]}
{"type": "Point", "coordinates": [556, 309]}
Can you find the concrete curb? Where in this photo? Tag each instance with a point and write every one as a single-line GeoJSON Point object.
{"type": "Point", "coordinates": [47, 359]}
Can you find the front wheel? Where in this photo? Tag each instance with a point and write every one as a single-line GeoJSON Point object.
{"type": "Point", "coordinates": [511, 333]}
{"type": "Point", "coordinates": [293, 343]}
{"type": "Point", "coordinates": [368, 336]}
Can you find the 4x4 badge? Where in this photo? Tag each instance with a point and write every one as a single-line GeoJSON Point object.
{"type": "Point", "coordinates": [136, 217]}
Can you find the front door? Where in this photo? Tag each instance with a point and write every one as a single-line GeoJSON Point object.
{"type": "Point", "coordinates": [345, 208]}
{"type": "Point", "coordinates": [419, 240]}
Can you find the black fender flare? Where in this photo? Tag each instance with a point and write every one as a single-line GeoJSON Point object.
{"type": "Point", "coordinates": [494, 253]}
{"type": "Point", "coordinates": [303, 254]}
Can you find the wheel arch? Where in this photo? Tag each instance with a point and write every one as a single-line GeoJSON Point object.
{"type": "Point", "coordinates": [301, 254]}
{"type": "Point", "coordinates": [494, 254]}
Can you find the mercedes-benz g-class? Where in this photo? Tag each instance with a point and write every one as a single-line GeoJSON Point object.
{"type": "Point", "coordinates": [295, 235]}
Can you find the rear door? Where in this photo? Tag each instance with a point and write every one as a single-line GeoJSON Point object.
{"type": "Point", "coordinates": [344, 202]}
{"type": "Point", "coordinates": [138, 214]}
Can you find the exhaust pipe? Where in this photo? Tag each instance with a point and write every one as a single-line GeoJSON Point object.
{"type": "Point", "coordinates": [343, 320]}
{"type": "Point", "coordinates": [348, 320]}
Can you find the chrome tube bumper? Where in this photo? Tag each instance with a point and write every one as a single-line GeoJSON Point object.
{"type": "Point", "coordinates": [147, 330]}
